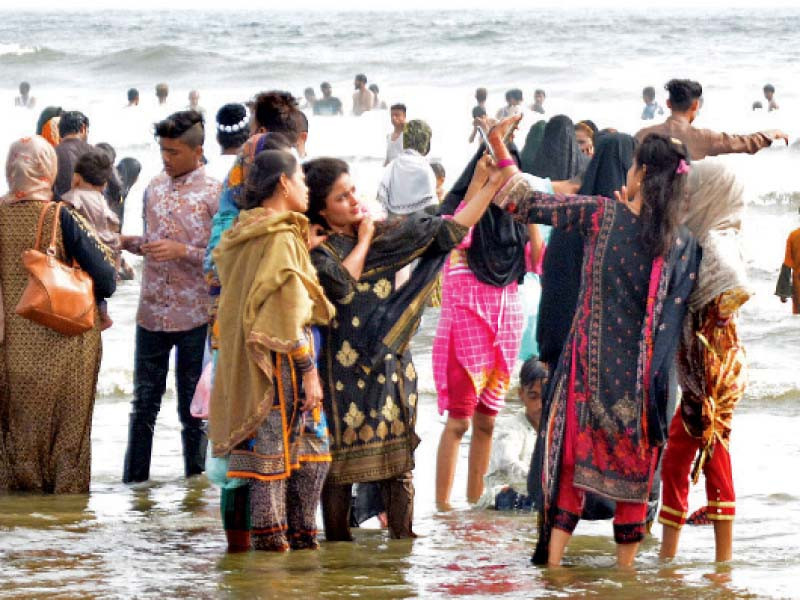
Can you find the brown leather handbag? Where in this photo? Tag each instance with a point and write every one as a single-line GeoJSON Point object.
{"type": "Point", "coordinates": [58, 296]}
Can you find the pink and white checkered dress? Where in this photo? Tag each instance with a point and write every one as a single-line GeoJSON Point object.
{"type": "Point", "coordinates": [481, 325]}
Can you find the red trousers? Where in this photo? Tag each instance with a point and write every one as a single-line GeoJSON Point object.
{"type": "Point", "coordinates": [675, 470]}
{"type": "Point", "coordinates": [629, 517]}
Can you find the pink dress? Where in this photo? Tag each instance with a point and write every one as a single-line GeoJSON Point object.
{"type": "Point", "coordinates": [480, 328]}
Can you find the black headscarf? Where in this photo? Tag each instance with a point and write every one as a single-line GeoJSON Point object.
{"type": "Point", "coordinates": [608, 170]}
{"type": "Point", "coordinates": [532, 142]}
{"type": "Point", "coordinates": [559, 157]}
{"type": "Point", "coordinates": [497, 253]}
{"type": "Point", "coordinates": [561, 280]}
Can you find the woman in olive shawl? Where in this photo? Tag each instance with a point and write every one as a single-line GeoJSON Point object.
{"type": "Point", "coordinates": [265, 408]}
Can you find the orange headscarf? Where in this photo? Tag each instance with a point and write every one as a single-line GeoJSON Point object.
{"type": "Point", "coordinates": [50, 131]}
{"type": "Point", "coordinates": [31, 169]}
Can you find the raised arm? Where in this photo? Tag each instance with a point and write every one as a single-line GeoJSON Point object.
{"type": "Point", "coordinates": [717, 143]}
{"type": "Point", "coordinates": [478, 196]}
{"type": "Point", "coordinates": [564, 211]}
{"type": "Point", "coordinates": [518, 193]}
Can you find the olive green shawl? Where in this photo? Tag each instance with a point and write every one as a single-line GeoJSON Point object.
{"type": "Point", "coordinates": [270, 294]}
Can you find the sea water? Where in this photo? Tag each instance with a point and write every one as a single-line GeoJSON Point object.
{"type": "Point", "coordinates": [164, 539]}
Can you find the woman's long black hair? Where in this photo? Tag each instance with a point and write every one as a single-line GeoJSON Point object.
{"type": "Point", "coordinates": [265, 175]}
{"type": "Point", "coordinates": [663, 189]}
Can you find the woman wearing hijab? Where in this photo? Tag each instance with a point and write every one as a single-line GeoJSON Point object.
{"type": "Point", "coordinates": [558, 158]}
{"type": "Point", "coordinates": [478, 336]}
{"type": "Point", "coordinates": [532, 142]}
{"type": "Point", "coordinates": [408, 183]}
{"type": "Point", "coordinates": [711, 362]}
{"type": "Point", "coordinates": [45, 422]}
{"type": "Point", "coordinates": [608, 403]}
{"type": "Point", "coordinates": [47, 126]}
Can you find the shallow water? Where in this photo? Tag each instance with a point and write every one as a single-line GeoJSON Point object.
{"type": "Point", "coordinates": [164, 539]}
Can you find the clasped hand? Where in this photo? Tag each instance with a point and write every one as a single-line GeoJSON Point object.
{"type": "Point", "coordinates": [164, 250]}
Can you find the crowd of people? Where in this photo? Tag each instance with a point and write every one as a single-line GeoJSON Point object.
{"type": "Point", "coordinates": [291, 308]}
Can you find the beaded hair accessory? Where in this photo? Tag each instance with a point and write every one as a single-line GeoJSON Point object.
{"type": "Point", "coordinates": [234, 128]}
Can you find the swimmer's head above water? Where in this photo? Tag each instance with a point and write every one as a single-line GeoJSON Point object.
{"type": "Point", "coordinates": [162, 91]}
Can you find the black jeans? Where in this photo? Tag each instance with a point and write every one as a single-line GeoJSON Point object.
{"type": "Point", "coordinates": [151, 366]}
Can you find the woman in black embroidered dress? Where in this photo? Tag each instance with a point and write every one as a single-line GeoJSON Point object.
{"type": "Point", "coordinates": [369, 380]}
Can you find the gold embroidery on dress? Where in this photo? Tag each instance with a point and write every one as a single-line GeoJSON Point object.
{"type": "Point", "coordinates": [382, 288]}
{"type": "Point", "coordinates": [349, 436]}
{"type": "Point", "coordinates": [347, 357]}
{"type": "Point", "coordinates": [381, 379]}
{"type": "Point", "coordinates": [382, 430]}
{"type": "Point", "coordinates": [625, 410]}
{"type": "Point", "coordinates": [348, 299]}
{"type": "Point", "coordinates": [411, 372]}
{"type": "Point", "coordinates": [390, 410]}
{"type": "Point", "coordinates": [354, 417]}
{"type": "Point", "coordinates": [366, 433]}
{"type": "Point", "coordinates": [108, 255]}
{"type": "Point", "coordinates": [360, 383]}
{"type": "Point", "coordinates": [356, 322]}
{"type": "Point", "coordinates": [363, 287]}
{"type": "Point", "coordinates": [339, 386]}
{"type": "Point", "coordinates": [412, 399]}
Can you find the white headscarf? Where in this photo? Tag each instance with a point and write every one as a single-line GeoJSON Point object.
{"type": "Point", "coordinates": [714, 215]}
{"type": "Point", "coordinates": [408, 184]}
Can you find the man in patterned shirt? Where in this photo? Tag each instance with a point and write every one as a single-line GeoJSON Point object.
{"type": "Point", "coordinates": [178, 207]}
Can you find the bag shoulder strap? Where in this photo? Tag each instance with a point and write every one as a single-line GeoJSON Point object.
{"type": "Point", "coordinates": [42, 214]}
{"type": "Point", "coordinates": [56, 216]}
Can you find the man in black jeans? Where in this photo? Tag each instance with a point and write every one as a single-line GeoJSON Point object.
{"type": "Point", "coordinates": [173, 307]}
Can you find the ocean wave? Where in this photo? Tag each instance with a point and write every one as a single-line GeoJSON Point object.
{"type": "Point", "coordinates": [13, 55]}
{"type": "Point", "coordinates": [478, 35]}
{"type": "Point", "coordinates": [156, 59]}
{"type": "Point", "coordinates": [16, 49]}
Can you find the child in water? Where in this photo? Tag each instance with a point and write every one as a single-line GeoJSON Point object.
{"type": "Point", "coordinates": [651, 107]}
{"type": "Point", "coordinates": [513, 446]}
